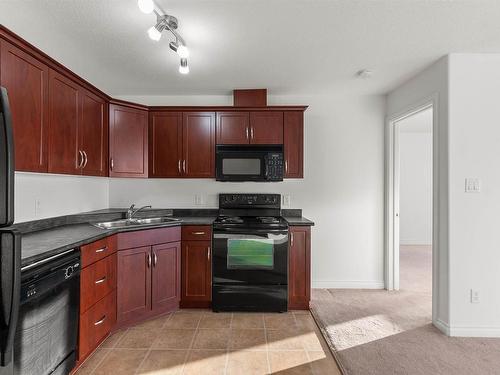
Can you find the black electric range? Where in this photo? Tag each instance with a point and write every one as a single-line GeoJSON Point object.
{"type": "Point", "coordinates": [250, 254]}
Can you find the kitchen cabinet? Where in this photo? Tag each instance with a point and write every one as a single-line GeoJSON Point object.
{"type": "Point", "coordinates": [165, 144]}
{"type": "Point", "coordinates": [64, 99]}
{"type": "Point", "coordinates": [293, 144]}
{"type": "Point", "coordinates": [233, 128]}
{"type": "Point", "coordinates": [149, 282]}
{"type": "Point", "coordinates": [93, 137]}
{"type": "Point", "coordinates": [198, 144]}
{"type": "Point", "coordinates": [97, 294]}
{"type": "Point", "coordinates": [26, 80]}
{"type": "Point", "coordinates": [266, 127]}
{"type": "Point", "coordinates": [128, 141]}
{"type": "Point", "coordinates": [299, 278]}
{"type": "Point", "coordinates": [196, 266]}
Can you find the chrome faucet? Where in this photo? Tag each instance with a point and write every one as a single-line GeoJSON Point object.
{"type": "Point", "coordinates": [131, 211]}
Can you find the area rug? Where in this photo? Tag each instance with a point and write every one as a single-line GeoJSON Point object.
{"type": "Point", "coordinates": [379, 332]}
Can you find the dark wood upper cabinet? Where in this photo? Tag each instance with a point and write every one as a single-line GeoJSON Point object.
{"type": "Point", "coordinates": [266, 127]}
{"type": "Point", "coordinates": [293, 144]}
{"type": "Point", "coordinates": [26, 81]}
{"type": "Point", "coordinates": [196, 272]}
{"type": "Point", "coordinates": [299, 277]}
{"type": "Point", "coordinates": [134, 283]}
{"type": "Point", "coordinates": [165, 144]}
{"type": "Point", "coordinates": [198, 144]}
{"type": "Point", "coordinates": [93, 129]}
{"type": "Point", "coordinates": [64, 108]}
{"type": "Point", "coordinates": [233, 128]}
{"type": "Point", "coordinates": [166, 280]}
{"type": "Point", "coordinates": [128, 141]}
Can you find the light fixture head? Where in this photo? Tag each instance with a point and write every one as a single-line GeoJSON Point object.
{"type": "Point", "coordinates": [154, 32]}
{"type": "Point", "coordinates": [184, 67]}
{"type": "Point", "coordinates": [183, 51]}
{"type": "Point", "coordinates": [146, 6]}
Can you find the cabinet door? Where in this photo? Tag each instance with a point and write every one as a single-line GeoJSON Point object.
{"type": "Point", "coordinates": [166, 285]}
{"type": "Point", "coordinates": [266, 128]}
{"type": "Point", "coordinates": [64, 103]}
{"type": "Point", "coordinates": [198, 144]}
{"type": "Point", "coordinates": [26, 81]}
{"type": "Point", "coordinates": [196, 271]}
{"type": "Point", "coordinates": [294, 144]}
{"type": "Point", "coordinates": [128, 141]}
{"type": "Point", "coordinates": [299, 282]}
{"type": "Point", "coordinates": [134, 283]}
{"type": "Point", "coordinates": [165, 145]}
{"type": "Point", "coordinates": [93, 127]}
{"type": "Point", "coordinates": [233, 128]}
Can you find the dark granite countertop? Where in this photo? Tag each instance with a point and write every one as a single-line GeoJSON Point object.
{"type": "Point", "coordinates": [47, 237]}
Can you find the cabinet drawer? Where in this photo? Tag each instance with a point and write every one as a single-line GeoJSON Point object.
{"type": "Point", "coordinates": [96, 281]}
{"type": "Point", "coordinates": [197, 233]}
{"type": "Point", "coordinates": [96, 324]}
{"type": "Point", "coordinates": [98, 250]}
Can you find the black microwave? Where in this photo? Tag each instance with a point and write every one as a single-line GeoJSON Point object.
{"type": "Point", "coordinates": [249, 163]}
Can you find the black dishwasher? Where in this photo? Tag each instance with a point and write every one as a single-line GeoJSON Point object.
{"type": "Point", "coordinates": [47, 328]}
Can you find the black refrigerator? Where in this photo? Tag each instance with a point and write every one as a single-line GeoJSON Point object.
{"type": "Point", "coordinates": [10, 242]}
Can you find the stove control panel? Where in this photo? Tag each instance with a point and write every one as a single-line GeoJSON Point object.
{"type": "Point", "coordinates": [249, 200]}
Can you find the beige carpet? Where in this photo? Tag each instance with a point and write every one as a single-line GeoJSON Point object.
{"type": "Point", "coordinates": [379, 332]}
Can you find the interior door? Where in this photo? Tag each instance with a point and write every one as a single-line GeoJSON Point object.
{"type": "Point", "coordinates": [166, 284]}
{"type": "Point", "coordinates": [198, 144]}
{"type": "Point", "coordinates": [26, 81]}
{"type": "Point", "coordinates": [94, 134]}
{"type": "Point", "coordinates": [64, 104]}
{"type": "Point", "coordinates": [128, 141]}
{"type": "Point", "coordinates": [233, 128]}
{"type": "Point", "coordinates": [266, 127]}
{"type": "Point", "coordinates": [134, 283]}
{"type": "Point", "coordinates": [165, 134]}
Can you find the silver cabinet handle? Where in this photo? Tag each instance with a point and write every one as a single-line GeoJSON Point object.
{"type": "Point", "coordinates": [100, 281]}
{"type": "Point", "coordinates": [198, 233]}
{"type": "Point", "coordinates": [80, 159]}
{"type": "Point", "coordinates": [86, 158]}
{"type": "Point", "coordinates": [247, 133]}
{"type": "Point", "coordinates": [286, 166]}
{"type": "Point", "coordinates": [251, 132]}
{"type": "Point", "coordinates": [149, 260]}
{"type": "Point", "coordinates": [112, 163]}
{"type": "Point", "coordinates": [179, 166]}
{"type": "Point", "coordinates": [184, 166]}
{"type": "Point", "coordinates": [291, 239]}
{"type": "Point", "coordinates": [101, 249]}
{"type": "Point", "coordinates": [155, 259]}
{"type": "Point", "coordinates": [208, 253]}
{"type": "Point", "coordinates": [100, 321]}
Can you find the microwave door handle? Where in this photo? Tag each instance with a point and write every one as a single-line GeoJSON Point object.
{"type": "Point", "coordinates": [10, 296]}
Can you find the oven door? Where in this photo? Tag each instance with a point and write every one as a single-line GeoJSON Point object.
{"type": "Point", "coordinates": [250, 256]}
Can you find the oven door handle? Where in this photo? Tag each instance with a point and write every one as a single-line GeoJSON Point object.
{"type": "Point", "coordinates": [221, 230]}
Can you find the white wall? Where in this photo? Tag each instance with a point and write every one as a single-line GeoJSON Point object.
{"type": "Point", "coordinates": [415, 190]}
{"type": "Point", "coordinates": [342, 190]}
{"type": "Point", "coordinates": [432, 85]}
{"type": "Point", "coordinates": [57, 195]}
{"type": "Point", "coordinates": [474, 218]}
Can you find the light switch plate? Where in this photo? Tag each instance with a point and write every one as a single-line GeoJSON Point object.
{"type": "Point", "coordinates": [286, 200]}
{"type": "Point", "coordinates": [198, 200]}
{"type": "Point", "coordinates": [472, 185]}
{"type": "Point", "coordinates": [474, 296]}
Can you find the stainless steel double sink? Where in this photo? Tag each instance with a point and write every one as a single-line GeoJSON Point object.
{"type": "Point", "coordinates": [131, 223]}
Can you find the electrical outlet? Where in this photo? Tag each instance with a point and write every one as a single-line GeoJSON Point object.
{"type": "Point", "coordinates": [472, 185]}
{"type": "Point", "coordinates": [37, 207]}
{"type": "Point", "coordinates": [198, 200]}
{"type": "Point", "coordinates": [474, 296]}
{"type": "Point", "coordinates": [286, 200]}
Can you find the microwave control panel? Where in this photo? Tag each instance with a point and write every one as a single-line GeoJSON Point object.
{"type": "Point", "coordinates": [274, 166]}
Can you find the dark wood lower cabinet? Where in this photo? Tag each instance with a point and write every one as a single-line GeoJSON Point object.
{"type": "Point", "coordinates": [299, 277]}
{"type": "Point", "coordinates": [196, 268]}
{"type": "Point", "coordinates": [166, 284]}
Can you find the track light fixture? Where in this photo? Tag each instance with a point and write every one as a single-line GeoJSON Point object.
{"type": "Point", "coordinates": [169, 23]}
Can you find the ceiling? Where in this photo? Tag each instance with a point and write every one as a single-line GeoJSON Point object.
{"type": "Point", "coordinates": [288, 46]}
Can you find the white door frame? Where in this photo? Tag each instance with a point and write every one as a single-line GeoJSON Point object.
{"type": "Point", "coordinates": [392, 195]}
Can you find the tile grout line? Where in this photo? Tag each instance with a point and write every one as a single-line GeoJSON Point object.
{"type": "Point", "coordinates": [267, 344]}
{"type": "Point", "coordinates": [304, 346]}
{"type": "Point", "coordinates": [191, 344]}
{"type": "Point", "coordinates": [151, 346]}
{"type": "Point", "coordinates": [108, 350]}
{"type": "Point", "coordinates": [228, 342]}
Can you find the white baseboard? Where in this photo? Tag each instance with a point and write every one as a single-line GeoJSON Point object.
{"type": "Point", "coordinates": [466, 331]}
{"type": "Point", "coordinates": [442, 326]}
{"type": "Point", "coordinates": [348, 284]}
{"type": "Point", "coordinates": [415, 242]}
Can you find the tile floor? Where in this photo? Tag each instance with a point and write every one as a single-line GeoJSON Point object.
{"type": "Point", "coordinates": [203, 342]}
